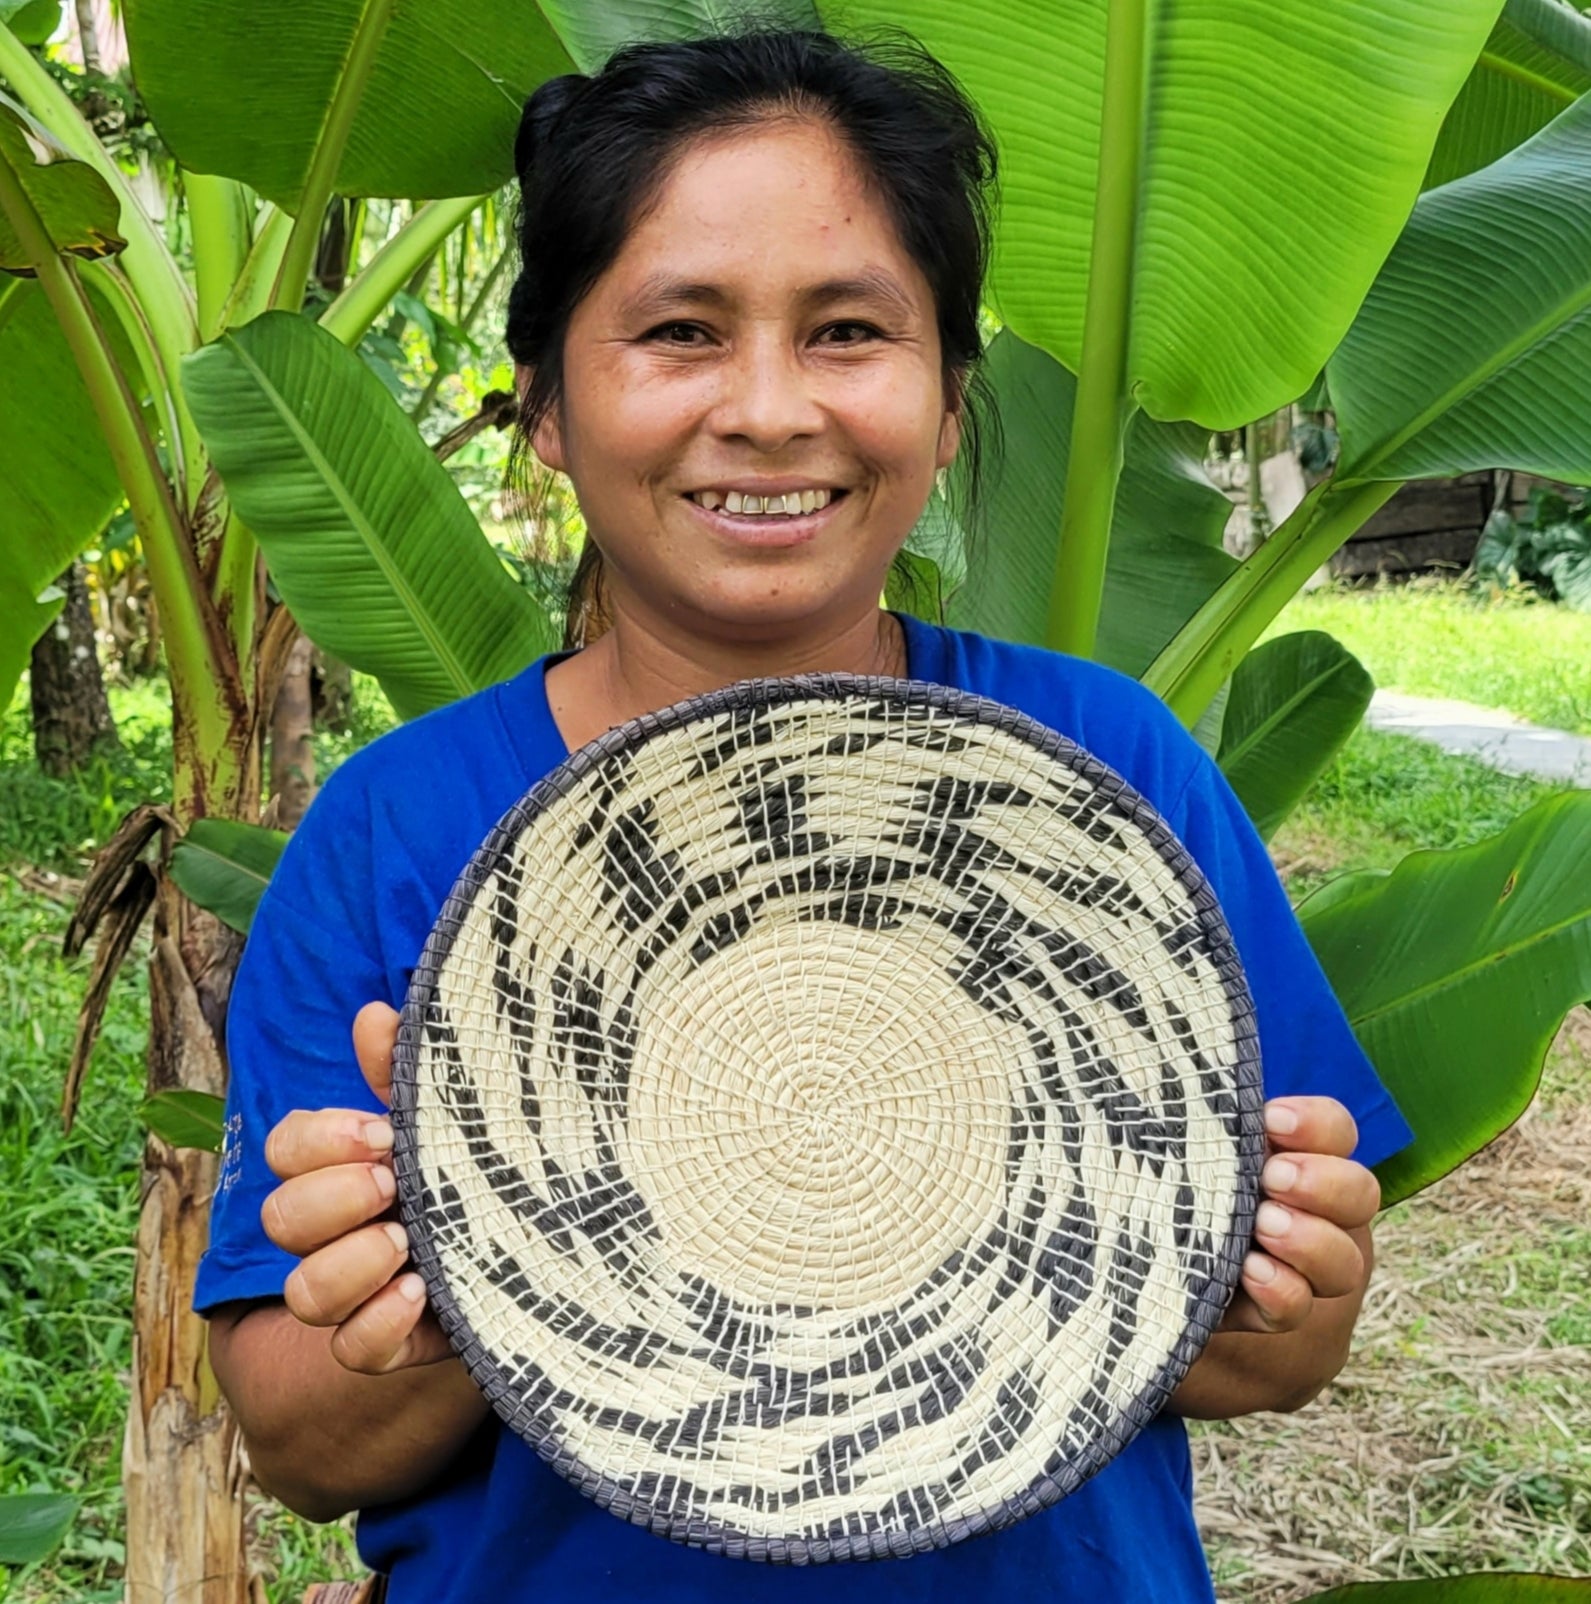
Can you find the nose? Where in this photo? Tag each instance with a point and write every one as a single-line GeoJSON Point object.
{"type": "Point", "coordinates": [768, 398]}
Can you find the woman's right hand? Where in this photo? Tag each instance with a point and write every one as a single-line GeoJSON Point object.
{"type": "Point", "coordinates": [335, 1210]}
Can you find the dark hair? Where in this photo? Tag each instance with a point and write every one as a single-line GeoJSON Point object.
{"type": "Point", "coordinates": [593, 152]}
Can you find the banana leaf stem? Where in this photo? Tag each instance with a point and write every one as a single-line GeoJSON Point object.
{"type": "Point", "coordinates": [1203, 654]}
{"type": "Point", "coordinates": [193, 644]}
{"type": "Point", "coordinates": [321, 179]}
{"type": "Point", "coordinates": [1103, 410]}
{"type": "Point", "coordinates": [349, 317]}
{"type": "Point", "coordinates": [163, 295]}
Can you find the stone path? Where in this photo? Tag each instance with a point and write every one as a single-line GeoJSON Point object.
{"type": "Point", "coordinates": [1497, 739]}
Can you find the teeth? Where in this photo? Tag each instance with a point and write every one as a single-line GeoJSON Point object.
{"type": "Point", "coordinates": [791, 505]}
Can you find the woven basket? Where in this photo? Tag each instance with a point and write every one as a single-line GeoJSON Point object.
{"type": "Point", "coordinates": [828, 1118]}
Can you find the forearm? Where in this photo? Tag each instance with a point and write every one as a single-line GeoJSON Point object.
{"type": "Point", "coordinates": [1244, 1373]}
{"type": "Point", "coordinates": [323, 1439]}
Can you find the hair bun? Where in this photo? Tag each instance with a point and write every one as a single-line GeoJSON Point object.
{"type": "Point", "coordinates": [547, 103]}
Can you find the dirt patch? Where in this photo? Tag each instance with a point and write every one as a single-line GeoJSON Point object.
{"type": "Point", "coordinates": [1459, 1436]}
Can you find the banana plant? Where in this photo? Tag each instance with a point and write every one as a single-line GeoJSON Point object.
{"type": "Point", "coordinates": [1205, 206]}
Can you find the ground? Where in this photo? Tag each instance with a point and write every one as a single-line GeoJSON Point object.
{"type": "Point", "coordinates": [1453, 1440]}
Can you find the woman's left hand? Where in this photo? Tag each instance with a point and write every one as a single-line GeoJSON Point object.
{"type": "Point", "coordinates": [1314, 1197]}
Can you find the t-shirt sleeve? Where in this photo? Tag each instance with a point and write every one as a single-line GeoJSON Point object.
{"type": "Point", "coordinates": [1307, 1046]}
{"type": "Point", "coordinates": [309, 964]}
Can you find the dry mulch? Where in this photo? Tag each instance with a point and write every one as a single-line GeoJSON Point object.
{"type": "Point", "coordinates": [1458, 1438]}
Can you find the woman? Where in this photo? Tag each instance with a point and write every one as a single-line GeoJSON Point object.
{"type": "Point", "coordinates": [746, 327]}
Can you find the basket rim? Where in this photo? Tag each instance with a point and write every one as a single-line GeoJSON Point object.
{"type": "Point", "coordinates": [540, 1431]}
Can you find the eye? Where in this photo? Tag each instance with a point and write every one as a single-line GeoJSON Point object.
{"type": "Point", "coordinates": [848, 333]}
{"type": "Point", "coordinates": [677, 334]}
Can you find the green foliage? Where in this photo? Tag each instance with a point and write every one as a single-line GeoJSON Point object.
{"type": "Point", "coordinates": [1549, 548]}
{"type": "Point", "coordinates": [1479, 313]}
{"type": "Point", "coordinates": [224, 866]}
{"type": "Point", "coordinates": [57, 824]}
{"type": "Point", "coordinates": [368, 539]}
{"type": "Point", "coordinates": [62, 485]}
{"type": "Point", "coordinates": [67, 1236]}
{"type": "Point", "coordinates": [32, 1526]}
{"type": "Point", "coordinates": [186, 1118]}
{"type": "Point", "coordinates": [1536, 62]}
{"type": "Point", "coordinates": [1165, 553]}
{"type": "Point", "coordinates": [411, 67]}
{"type": "Point", "coordinates": [75, 206]}
{"type": "Point", "coordinates": [1456, 971]}
{"type": "Point", "coordinates": [1492, 1589]}
{"type": "Point", "coordinates": [1258, 117]}
{"type": "Point", "coordinates": [1294, 701]}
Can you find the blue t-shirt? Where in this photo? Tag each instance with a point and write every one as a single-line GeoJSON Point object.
{"type": "Point", "coordinates": [343, 923]}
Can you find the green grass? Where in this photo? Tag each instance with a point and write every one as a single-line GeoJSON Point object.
{"type": "Point", "coordinates": [1439, 639]}
{"type": "Point", "coordinates": [58, 823]}
{"type": "Point", "coordinates": [1384, 796]}
{"type": "Point", "coordinates": [66, 1239]}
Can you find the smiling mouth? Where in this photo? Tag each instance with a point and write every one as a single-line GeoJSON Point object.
{"type": "Point", "coordinates": [792, 504]}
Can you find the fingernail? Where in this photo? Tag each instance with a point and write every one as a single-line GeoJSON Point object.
{"type": "Point", "coordinates": [1280, 1120]}
{"type": "Point", "coordinates": [1280, 1175]}
{"type": "Point", "coordinates": [378, 1136]}
{"type": "Point", "coordinates": [1273, 1220]}
{"type": "Point", "coordinates": [412, 1287]}
{"type": "Point", "coordinates": [397, 1236]}
{"type": "Point", "coordinates": [386, 1182]}
{"type": "Point", "coordinates": [1258, 1268]}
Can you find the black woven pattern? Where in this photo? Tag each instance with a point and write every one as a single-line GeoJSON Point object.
{"type": "Point", "coordinates": [582, 1228]}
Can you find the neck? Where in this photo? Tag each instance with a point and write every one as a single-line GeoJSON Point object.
{"type": "Point", "coordinates": [640, 665]}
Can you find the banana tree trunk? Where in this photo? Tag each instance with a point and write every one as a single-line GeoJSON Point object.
{"type": "Point", "coordinates": [183, 1464]}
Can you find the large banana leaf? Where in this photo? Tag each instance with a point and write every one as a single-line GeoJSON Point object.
{"type": "Point", "coordinates": [1165, 548]}
{"type": "Point", "coordinates": [1294, 701]}
{"type": "Point", "coordinates": [1473, 349]}
{"type": "Point", "coordinates": [1497, 1588]}
{"type": "Point", "coordinates": [592, 29]}
{"type": "Point", "coordinates": [1283, 143]}
{"type": "Point", "coordinates": [249, 90]}
{"type": "Point", "coordinates": [1456, 970]}
{"type": "Point", "coordinates": [1537, 61]}
{"type": "Point", "coordinates": [60, 485]}
{"type": "Point", "coordinates": [367, 538]}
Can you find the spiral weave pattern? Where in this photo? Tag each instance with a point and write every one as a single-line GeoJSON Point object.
{"type": "Point", "coordinates": [828, 1118]}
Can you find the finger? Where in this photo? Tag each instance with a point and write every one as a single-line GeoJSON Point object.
{"type": "Point", "coordinates": [1311, 1125]}
{"type": "Point", "coordinates": [304, 1214]}
{"type": "Point", "coordinates": [1272, 1298]}
{"type": "Point", "coordinates": [1335, 1189]}
{"type": "Point", "coordinates": [313, 1139]}
{"type": "Point", "coordinates": [375, 1036]}
{"type": "Point", "coordinates": [391, 1330]}
{"type": "Point", "coordinates": [331, 1283]}
{"type": "Point", "coordinates": [1326, 1257]}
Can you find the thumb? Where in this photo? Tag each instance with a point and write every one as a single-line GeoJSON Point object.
{"type": "Point", "coordinates": [375, 1036]}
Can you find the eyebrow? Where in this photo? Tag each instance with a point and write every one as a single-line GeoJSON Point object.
{"type": "Point", "coordinates": [662, 292]}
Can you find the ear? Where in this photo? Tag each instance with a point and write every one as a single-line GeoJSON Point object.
{"type": "Point", "coordinates": [547, 440]}
{"type": "Point", "coordinates": [950, 422]}
{"type": "Point", "coordinates": [949, 439]}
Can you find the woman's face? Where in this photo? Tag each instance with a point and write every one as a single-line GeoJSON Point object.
{"type": "Point", "coordinates": [762, 334]}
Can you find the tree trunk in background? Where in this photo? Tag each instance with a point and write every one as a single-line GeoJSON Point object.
{"type": "Point", "coordinates": [292, 743]}
{"type": "Point", "coordinates": [332, 684]}
{"type": "Point", "coordinates": [71, 716]}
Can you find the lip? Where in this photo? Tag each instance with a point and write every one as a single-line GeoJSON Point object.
{"type": "Point", "coordinates": [770, 532]}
